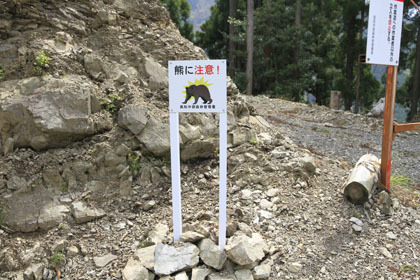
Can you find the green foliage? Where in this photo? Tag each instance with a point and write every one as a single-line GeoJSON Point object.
{"type": "Point", "coordinates": [57, 259]}
{"type": "Point", "coordinates": [179, 11]}
{"type": "Point", "coordinates": [111, 103]}
{"type": "Point", "coordinates": [41, 63]}
{"type": "Point", "coordinates": [134, 162]}
{"type": "Point", "coordinates": [401, 180]}
{"type": "Point", "coordinates": [1, 73]}
{"type": "Point", "coordinates": [356, 214]}
{"type": "Point", "coordinates": [253, 141]}
{"type": "Point", "coordinates": [64, 187]}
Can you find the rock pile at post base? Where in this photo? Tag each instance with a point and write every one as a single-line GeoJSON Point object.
{"type": "Point", "coordinates": [244, 258]}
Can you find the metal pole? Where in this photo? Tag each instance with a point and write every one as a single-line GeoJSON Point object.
{"type": "Point", "coordinates": [387, 136]}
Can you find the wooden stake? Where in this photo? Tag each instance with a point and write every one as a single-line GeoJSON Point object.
{"type": "Point", "coordinates": [388, 133]}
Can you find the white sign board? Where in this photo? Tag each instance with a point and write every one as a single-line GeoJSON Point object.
{"type": "Point", "coordinates": [384, 32]}
{"type": "Point", "coordinates": [197, 86]}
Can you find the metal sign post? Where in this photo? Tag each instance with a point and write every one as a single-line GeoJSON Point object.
{"type": "Point", "coordinates": [197, 86]}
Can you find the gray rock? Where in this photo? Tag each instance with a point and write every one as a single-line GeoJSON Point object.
{"type": "Point", "coordinates": [309, 164]}
{"type": "Point", "coordinates": [181, 276]}
{"type": "Point", "coordinates": [51, 215]}
{"type": "Point", "coordinates": [200, 273]}
{"type": "Point", "coordinates": [198, 149]}
{"type": "Point", "coordinates": [211, 254]}
{"type": "Point", "coordinates": [149, 205]}
{"type": "Point", "coordinates": [155, 137]}
{"type": "Point", "coordinates": [357, 228]}
{"type": "Point", "coordinates": [158, 75]}
{"type": "Point", "coordinates": [356, 221]}
{"type": "Point", "coordinates": [133, 117]}
{"type": "Point", "coordinates": [191, 236]}
{"type": "Point", "coordinates": [8, 146]}
{"type": "Point", "coordinates": [94, 66]}
{"type": "Point", "coordinates": [244, 274]}
{"type": "Point", "coordinates": [384, 251]}
{"type": "Point", "coordinates": [294, 267]}
{"type": "Point", "coordinates": [391, 235]}
{"type": "Point", "coordinates": [52, 178]}
{"type": "Point", "coordinates": [135, 271]}
{"type": "Point", "coordinates": [189, 132]}
{"type": "Point", "coordinates": [262, 271]}
{"type": "Point", "coordinates": [53, 115]}
{"type": "Point", "coordinates": [245, 250]}
{"type": "Point", "coordinates": [169, 259]}
{"type": "Point", "coordinates": [146, 256]}
{"type": "Point", "coordinates": [158, 233]}
{"type": "Point", "coordinates": [82, 213]}
{"type": "Point", "coordinates": [34, 271]}
{"type": "Point", "coordinates": [104, 260]}
{"type": "Point", "coordinates": [72, 251]}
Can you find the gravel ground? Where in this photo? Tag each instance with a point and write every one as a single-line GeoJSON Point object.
{"type": "Point", "coordinates": [339, 134]}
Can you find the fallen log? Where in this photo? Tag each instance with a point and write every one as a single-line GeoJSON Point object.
{"type": "Point", "coordinates": [361, 180]}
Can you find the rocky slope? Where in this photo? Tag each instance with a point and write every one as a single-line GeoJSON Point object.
{"type": "Point", "coordinates": [84, 169]}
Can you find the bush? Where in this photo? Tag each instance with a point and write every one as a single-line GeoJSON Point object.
{"type": "Point", "coordinates": [41, 63]}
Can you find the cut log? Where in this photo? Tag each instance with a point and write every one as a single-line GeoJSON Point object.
{"type": "Point", "coordinates": [359, 185]}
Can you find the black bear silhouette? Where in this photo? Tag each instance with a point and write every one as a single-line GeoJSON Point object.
{"type": "Point", "coordinates": [198, 91]}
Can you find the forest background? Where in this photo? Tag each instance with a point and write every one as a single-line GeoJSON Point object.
{"type": "Point", "coordinates": [292, 48]}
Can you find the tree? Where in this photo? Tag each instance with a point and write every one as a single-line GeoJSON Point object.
{"type": "Point", "coordinates": [249, 45]}
{"type": "Point", "coordinates": [232, 15]}
{"type": "Point", "coordinates": [179, 10]}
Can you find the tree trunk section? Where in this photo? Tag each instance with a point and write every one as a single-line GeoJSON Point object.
{"type": "Point", "coordinates": [416, 80]}
{"type": "Point", "coordinates": [249, 45]}
{"type": "Point", "coordinates": [298, 23]}
{"type": "Point", "coordinates": [232, 47]}
{"type": "Point", "coordinates": [359, 66]}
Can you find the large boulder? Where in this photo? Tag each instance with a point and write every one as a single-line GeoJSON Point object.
{"type": "Point", "coordinates": [155, 137]}
{"type": "Point", "coordinates": [44, 113]}
{"type": "Point", "coordinates": [30, 211]}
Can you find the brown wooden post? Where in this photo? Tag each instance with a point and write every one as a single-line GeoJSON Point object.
{"type": "Point", "coordinates": [388, 131]}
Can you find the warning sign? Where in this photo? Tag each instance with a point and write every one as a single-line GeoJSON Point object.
{"type": "Point", "coordinates": [384, 32]}
{"type": "Point", "coordinates": [197, 86]}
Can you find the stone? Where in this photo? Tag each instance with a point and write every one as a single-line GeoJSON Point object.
{"type": "Point", "coordinates": [53, 115]}
{"type": "Point", "coordinates": [191, 236]}
{"type": "Point", "coordinates": [356, 221]}
{"type": "Point", "coordinates": [8, 146]}
{"type": "Point", "coordinates": [189, 132]}
{"type": "Point", "coordinates": [133, 118]}
{"type": "Point", "coordinates": [262, 272]}
{"type": "Point", "coordinates": [149, 205]}
{"type": "Point", "coordinates": [72, 251]}
{"type": "Point", "coordinates": [158, 75]}
{"type": "Point", "coordinates": [391, 235]}
{"type": "Point", "coordinates": [26, 211]}
{"type": "Point", "coordinates": [309, 164]}
{"type": "Point", "coordinates": [52, 178]}
{"type": "Point", "coordinates": [133, 270]}
{"type": "Point", "coordinates": [244, 274]}
{"type": "Point", "coordinates": [94, 66]}
{"type": "Point", "coordinates": [294, 267]}
{"type": "Point", "coordinates": [357, 228]}
{"type": "Point", "coordinates": [170, 259]}
{"type": "Point", "coordinates": [126, 184]}
{"type": "Point", "coordinates": [104, 260]}
{"type": "Point", "coordinates": [384, 251]}
{"type": "Point", "coordinates": [200, 273]}
{"type": "Point", "coordinates": [198, 149]}
{"type": "Point", "coordinates": [155, 137]}
{"type": "Point", "coordinates": [244, 250]}
{"type": "Point", "coordinates": [272, 192]}
{"type": "Point", "coordinates": [34, 271]}
{"type": "Point", "coordinates": [181, 276]}
{"type": "Point", "coordinates": [265, 204]}
{"type": "Point", "coordinates": [158, 233]}
{"type": "Point", "coordinates": [146, 256]}
{"type": "Point", "coordinates": [82, 213]}
{"type": "Point", "coordinates": [385, 203]}
{"type": "Point", "coordinates": [211, 254]}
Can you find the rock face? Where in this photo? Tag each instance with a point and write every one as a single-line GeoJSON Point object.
{"type": "Point", "coordinates": [46, 112]}
{"type": "Point", "coordinates": [169, 259]}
